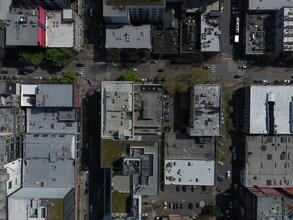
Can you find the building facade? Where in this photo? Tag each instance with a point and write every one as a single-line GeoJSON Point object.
{"type": "Point", "coordinates": [48, 4]}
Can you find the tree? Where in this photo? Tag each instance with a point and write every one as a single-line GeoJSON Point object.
{"type": "Point", "coordinates": [181, 87]}
{"type": "Point", "coordinates": [68, 77]}
{"type": "Point", "coordinates": [56, 57]}
{"type": "Point", "coordinates": [210, 210]}
{"type": "Point", "coordinates": [170, 87]}
{"type": "Point", "coordinates": [147, 54]}
{"type": "Point", "coordinates": [113, 55]}
{"type": "Point", "coordinates": [129, 75]}
{"type": "Point", "coordinates": [34, 59]}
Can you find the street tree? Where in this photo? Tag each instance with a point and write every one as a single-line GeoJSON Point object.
{"type": "Point", "coordinates": [68, 77]}
{"type": "Point", "coordinates": [113, 55]}
{"type": "Point", "coordinates": [34, 59]}
{"type": "Point", "coordinates": [56, 58]}
{"type": "Point", "coordinates": [129, 75]}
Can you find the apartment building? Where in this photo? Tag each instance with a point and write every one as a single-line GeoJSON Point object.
{"type": "Point", "coordinates": [47, 4]}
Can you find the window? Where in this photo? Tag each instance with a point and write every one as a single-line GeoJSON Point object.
{"type": "Point", "coordinates": [15, 181]}
{"type": "Point", "coordinates": [269, 156]}
{"type": "Point", "coordinates": [9, 184]}
{"type": "Point", "coordinates": [269, 182]}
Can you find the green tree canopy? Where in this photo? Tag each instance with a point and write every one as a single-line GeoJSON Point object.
{"type": "Point", "coordinates": [56, 57]}
{"type": "Point", "coordinates": [34, 59]}
{"type": "Point", "coordinates": [68, 77]}
{"type": "Point", "coordinates": [129, 75]}
{"type": "Point", "coordinates": [147, 54]}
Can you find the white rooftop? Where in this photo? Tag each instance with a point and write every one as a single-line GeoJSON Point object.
{"type": "Point", "coordinates": [128, 36]}
{"type": "Point", "coordinates": [268, 4]}
{"type": "Point", "coordinates": [117, 109]}
{"type": "Point", "coordinates": [190, 172]}
{"type": "Point", "coordinates": [60, 28]}
{"type": "Point", "coordinates": [4, 8]}
{"type": "Point", "coordinates": [26, 91]}
{"type": "Point", "coordinates": [282, 97]}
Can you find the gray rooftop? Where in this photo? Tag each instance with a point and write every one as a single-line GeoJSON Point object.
{"type": "Point", "coordinates": [7, 88]}
{"type": "Point", "coordinates": [22, 28]}
{"type": "Point", "coordinates": [142, 165]}
{"type": "Point", "coordinates": [284, 32]}
{"type": "Point", "coordinates": [115, 14]}
{"type": "Point", "coordinates": [49, 159]}
{"type": "Point", "coordinates": [117, 109]}
{"type": "Point", "coordinates": [267, 162]}
{"type": "Point", "coordinates": [128, 36]}
{"type": "Point", "coordinates": [4, 8]}
{"type": "Point", "coordinates": [180, 146]}
{"type": "Point", "coordinates": [258, 100]}
{"type": "Point", "coordinates": [205, 110]}
{"type": "Point", "coordinates": [51, 120]}
{"type": "Point", "coordinates": [148, 109]}
{"type": "Point", "coordinates": [259, 33]}
{"type": "Point", "coordinates": [37, 193]}
{"type": "Point", "coordinates": [188, 39]}
{"type": "Point", "coordinates": [54, 95]}
{"type": "Point", "coordinates": [268, 4]}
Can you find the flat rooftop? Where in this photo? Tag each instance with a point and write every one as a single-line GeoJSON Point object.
{"type": "Point", "coordinates": [4, 8]}
{"type": "Point", "coordinates": [209, 33]}
{"type": "Point", "coordinates": [190, 172]}
{"type": "Point", "coordinates": [189, 39]}
{"type": "Point", "coordinates": [148, 109]}
{"type": "Point", "coordinates": [287, 30]}
{"type": "Point", "coordinates": [128, 36]}
{"type": "Point", "coordinates": [51, 120]}
{"type": "Point", "coordinates": [22, 27]}
{"type": "Point", "coordinates": [270, 5]}
{"type": "Point", "coordinates": [180, 146]}
{"type": "Point", "coordinates": [8, 120]}
{"type": "Point", "coordinates": [165, 42]}
{"type": "Point", "coordinates": [117, 109]}
{"type": "Point", "coordinates": [282, 110]}
{"type": "Point", "coordinates": [267, 161]}
{"type": "Point", "coordinates": [47, 95]}
{"type": "Point", "coordinates": [49, 160]}
{"type": "Point", "coordinates": [135, 2]}
{"type": "Point", "coordinates": [259, 33]}
{"type": "Point", "coordinates": [60, 28]}
{"type": "Point", "coordinates": [205, 102]}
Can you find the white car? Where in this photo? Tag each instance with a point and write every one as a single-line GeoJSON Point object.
{"type": "Point", "coordinates": [220, 163]}
{"type": "Point", "coordinates": [228, 213]}
{"type": "Point", "coordinates": [91, 208]}
{"type": "Point", "coordinates": [222, 9]}
{"type": "Point", "coordinates": [135, 70]}
{"type": "Point", "coordinates": [228, 174]}
{"type": "Point", "coordinates": [287, 81]}
{"type": "Point", "coordinates": [38, 77]}
{"type": "Point", "coordinates": [165, 205]}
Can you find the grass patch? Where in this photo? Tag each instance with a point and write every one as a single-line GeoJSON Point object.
{"type": "Point", "coordinates": [120, 202]}
{"type": "Point", "coordinates": [56, 211]}
{"type": "Point", "coordinates": [227, 109]}
{"type": "Point", "coordinates": [112, 150]}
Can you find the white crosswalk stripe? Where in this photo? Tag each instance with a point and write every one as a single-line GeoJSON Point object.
{"type": "Point", "coordinates": [213, 68]}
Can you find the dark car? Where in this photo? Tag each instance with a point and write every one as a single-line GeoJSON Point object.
{"type": "Point", "coordinates": [220, 178]}
{"type": "Point", "coordinates": [190, 205]}
{"type": "Point", "coordinates": [180, 206]}
{"type": "Point", "coordinates": [193, 188]}
{"type": "Point", "coordinates": [238, 76]}
{"type": "Point", "coordinates": [175, 206]}
{"type": "Point", "coordinates": [184, 188]}
{"type": "Point", "coordinates": [23, 73]}
{"type": "Point", "coordinates": [162, 187]}
{"type": "Point", "coordinates": [171, 205]}
{"type": "Point", "coordinates": [79, 65]}
{"type": "Point", "coordinates": [218, 189]}
{"type": "Point", "coordinates": [178, 188]}
{"type": "Point", "coordinates": [160, 70]}
{"type": "Point", "coordinates": [4, 72]}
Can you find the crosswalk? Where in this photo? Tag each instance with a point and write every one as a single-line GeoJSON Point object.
{"type": "Point", "coordinates": [92, 53]}
{"type": "Point", "coordinates": [226, 57]}
{"type": "Point", "coordinates": [213, 69]}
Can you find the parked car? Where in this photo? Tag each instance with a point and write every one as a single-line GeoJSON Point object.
{"type": "Point", "coordinates": [234, 156]}
{"type": "Point", "coordinates": [206, 67]}
{"type": "Point", "coordinates": [228, 174]}
{"type": "Point", "coordinates": [218, 189]}
{"type": "Point", "coordinates": [171, 205]}
{"type": "Point", "coordinates": [287, 81]}
{"type": "Point", "coordinates": [23, 73]}
{"type": "Point", "coordinates": [235, 8]}
{"type": "Point", "coordinates": [235, 12]}
{"type": "Point", "coordinates": [154, 61]}
{"type": "Point", "coordinates": [228, 213]}
{"type": "Point", "coordinates": [230, 205]}
{"type": "Point", "coordinates": [180, 206]}
{"type": "Point", "coordinates": [166, 96]}
{"type": "Point", "coordinates": [91, 208]}
{"type": "Point", "coordinates": [190, 205]}
{"type": "Point", "coordinates": [193, 188]}
{"type": "Point", "coordinates": [162, 187]}
{"type": "Point", "coordinates": [38, 77]}
{"type": "Point", "coordinates": [79, 73]}
{"type": "Point", "coordinates": [47, 77]}
{"type": "Point", "coordinates": [91, 12]}
{"type": "Point", "coordinates": [4, 72]}
{"type": "Point", "coordinates": [220, 163]}
{"type": "Point", "coordinates": [178, 188]}
{"type": "Point", "coordinates": [161, 70]}
{"type": "Point", "coordinates": [29, 68]}
{"type": "Point", "coordinates": [135, 70]}
{"type": "Point", "coordinates": [233, 149]}
{"type": "Point", "coordinates": [79, 65]}
{"type": "Point", "coordinates": [165, 205]}
{"type": "Point", "coordinates": [220, 178]}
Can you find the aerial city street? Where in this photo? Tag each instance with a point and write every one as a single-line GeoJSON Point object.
{"type": "Point", "coordinates": [146, 109]}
